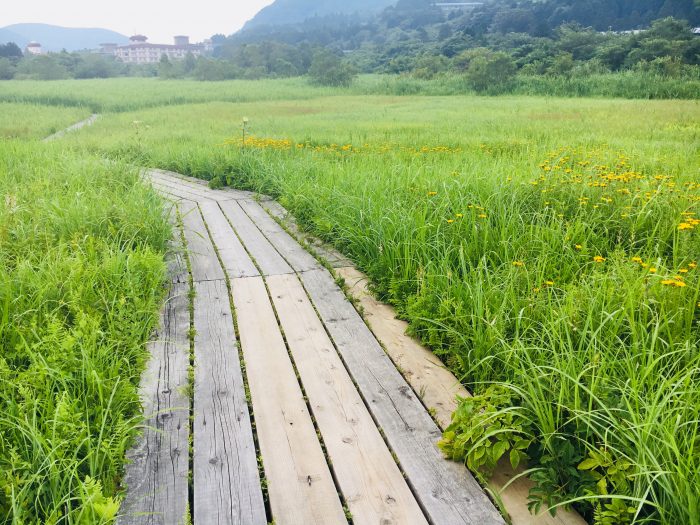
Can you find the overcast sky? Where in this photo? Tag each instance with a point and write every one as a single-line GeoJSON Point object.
{"type": "Point", "coordinates": [159, 20]}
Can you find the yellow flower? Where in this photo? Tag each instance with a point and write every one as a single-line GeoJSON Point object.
{"type": "Point", "coordinates": [549, 283]}
{"type": "Point", "coordinates": [578, 247]}
{"type": "Point", "coordinates": [518, 263]}
{"type": "Point", "coordinates": [652, 270]}
{"type": "Point", "coordinates": [637, 259]}
{"type": "Point", "coordinates": [683, 270]}
{"type": "Point", "coordinates": [482, 215]}
{"type": "Point", "coordinates": [685, 226]}
{"type": "Point", "coordinates": [693, 265]}
{"type": "Point", "coordinates": [450, 221]}
{"type": "Point", "coordinates": [432, 193]}
{"type": "Point", "coordinates": [598, 259]}
{"type": "Point", "coordinates": [459, 215]}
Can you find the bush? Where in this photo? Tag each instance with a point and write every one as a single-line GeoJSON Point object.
{"type": "Point", "coordinates": [490, 72]}
{"type": "Point", "coordinates": [328, 69]}
{"type": "Point", "coordinates": [7, 69]}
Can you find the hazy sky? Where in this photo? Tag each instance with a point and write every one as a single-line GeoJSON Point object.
{"type": "Point", "coordinates": [159, 20]}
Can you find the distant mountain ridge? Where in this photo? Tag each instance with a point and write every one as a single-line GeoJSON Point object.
{"type": "Point", "coordinates": [56, 38]}
{"type": "Point", "coordinates": [283, 12]}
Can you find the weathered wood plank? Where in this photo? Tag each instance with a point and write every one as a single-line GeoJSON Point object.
{"type": "Point", "coordinates": [191, 182]}
{"type": "Point", "coordinates": [299, 481]}
{"type": "Point", "coordinates": [421, 368]}
{"type": "Point", "coordinates": [204, 263]}
{"type": "Point", "coordinates": [296, 256]}
{"type": "Point", "coordinates": [446, 490]}
{"type": "Point", "coordinates": [235, 259]}
{"type": "Point", "coordinates": [440, 388]}
{"type": "Point", "coordinates": [166, 194]}
{"type": "Point", "coordinates": [176, 189]}
{"type": "Point", "coordinates": [367, 475]}
{"type": "Point", "coordinates": [319, 248]}
{"type": "Point", "coordinates": [267, 258]}
{"type": "Point", "coordinates": [156, 476]}
{"type": "Point", "coordinates": [226, 481]}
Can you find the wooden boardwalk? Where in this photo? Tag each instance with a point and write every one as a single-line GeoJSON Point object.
{"type": "Point", "coordinates": [269, 398]}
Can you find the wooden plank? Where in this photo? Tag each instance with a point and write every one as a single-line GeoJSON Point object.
{"type": "Point", "coordinates": [225, 475]}
{"type": "Point", "coordinates": [200, 184]}
{"type": "Point", "coordinates": [446, 490]}
{"type": "Point", "coordinates": [166, 194]}
{"type": "Point", "coordinates": [296, 256]}
{"type": "Point", "coordinates": [367, 475]}
{"type": "Point", "coordinates": [266, 257]}
{"type": "Point", "coordinates": [299, 481]}
{"type": "Point", "coordinates": [318, 247]}
{"type": "Point", "coordinates": [181, 191]}
{"type": "Point", "coordinates": [421, 368]}
{"type": "Point", "coordinates": [233, 256]}
{"type": "Point", "coordinates": [186, 179]}
{"type": "Point", "coordinates": [204, 263]}
{"type": "Point", "coordinates": [156, 476]}
{"type": "Point", "coordinates": [439, 387]}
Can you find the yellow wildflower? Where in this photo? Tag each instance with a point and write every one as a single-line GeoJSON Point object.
{"type": "Point", "coordinates": [598, 259]}
{"type": "Point", "coordinates": [518, 263]}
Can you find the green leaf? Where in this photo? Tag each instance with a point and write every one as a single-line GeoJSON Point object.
{"type": "Point", "coordinates": [514, 458]}
{"type": "Point", "coordinates": [588, 464]}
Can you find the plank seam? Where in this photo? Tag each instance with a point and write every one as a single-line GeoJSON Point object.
{"type": "Point", "coordinates": [190, 336]}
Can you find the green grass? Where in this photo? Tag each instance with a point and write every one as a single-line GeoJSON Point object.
{"type": "Point", "coordinates": [81, 281]}
{"type": "Point", "coordinates": [32, 121]}
{"type": "Point", "coordinates": [598, 356]}
{"type": "Point", "coordinates": [128, 94]}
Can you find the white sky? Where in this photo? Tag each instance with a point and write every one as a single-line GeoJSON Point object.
{"type": "Point", "coordinates": [159, 20]}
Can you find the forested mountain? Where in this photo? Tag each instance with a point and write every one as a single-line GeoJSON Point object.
{"type": "Point", "coordinates": [539, 35]}
{"type": "Point", "coordinates": [294, 11]}
{"type": "Point", "coordinates": [294, 21]}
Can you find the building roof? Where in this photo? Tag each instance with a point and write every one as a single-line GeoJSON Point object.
{"type": "Point", "coordinates": [158, 46]}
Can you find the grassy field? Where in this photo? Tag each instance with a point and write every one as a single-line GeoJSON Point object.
{"type": "Point", "coordinates": [545, 248]}
{"type": "Point", "coordinates": [81, 275]}
{"type": "Point", "coordinates": [33, 121]}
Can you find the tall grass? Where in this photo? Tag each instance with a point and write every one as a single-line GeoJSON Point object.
{"type": "Point", "coordinates": [81, 275]}
{"type": "Point", "coordinates": [33, 121]}
{"type": "Point", "coordinates": [536, 244]}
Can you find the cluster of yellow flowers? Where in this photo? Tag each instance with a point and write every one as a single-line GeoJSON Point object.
{"type": "Point", "coordinates": [286, 145]}
{"type": "Point", "coordinates": [561, 168]}
{"type": "Point", "coordinates": [689, 221]}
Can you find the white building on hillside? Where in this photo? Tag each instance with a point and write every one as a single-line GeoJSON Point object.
{"type": "Point", "coordinates": [33, 48]}
{"type": "Point", "coordinates": [139, 51]}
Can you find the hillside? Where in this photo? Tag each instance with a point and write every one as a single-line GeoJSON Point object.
{"type": "Point", "coordinates": [56, 38]}
{"type": "Point", "coordinates": [294, 11]}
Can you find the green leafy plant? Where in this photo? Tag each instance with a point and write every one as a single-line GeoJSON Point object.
{"type": "Point", "coordinates": [484, 428]}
